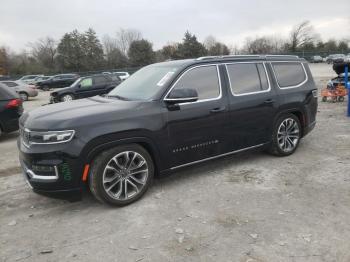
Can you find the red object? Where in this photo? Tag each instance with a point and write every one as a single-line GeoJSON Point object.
{"type": "Point", "coordinates": [14, 103]}
{"type": "Point", "coordinates": [86, 172]}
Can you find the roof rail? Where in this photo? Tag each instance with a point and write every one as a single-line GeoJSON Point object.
{"type": "Point", "coordinates": [242, 56]}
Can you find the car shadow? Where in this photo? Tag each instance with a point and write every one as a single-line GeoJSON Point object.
{"type": "Point", "coordinates": [9, 136]}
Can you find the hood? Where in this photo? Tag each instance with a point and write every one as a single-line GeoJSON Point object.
{"type": "Point", "coordinates": [78, 113]}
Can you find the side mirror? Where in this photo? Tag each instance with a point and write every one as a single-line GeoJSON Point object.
{"type": "Point", "coordinates": [182, 95]}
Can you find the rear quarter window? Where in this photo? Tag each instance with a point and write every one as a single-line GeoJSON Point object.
{"type": "Point", "coordinates": [289, 74]}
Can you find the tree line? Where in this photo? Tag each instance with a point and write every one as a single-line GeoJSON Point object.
{"type": "Point", "coordinates": [84, 51]}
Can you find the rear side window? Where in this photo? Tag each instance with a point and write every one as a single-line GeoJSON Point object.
{"type": "Point", "coordinates": [247, 78]}
{"type": "Point", "coordinates": [10, 84]}
{"type": "Point", "coordinates": [289, 74]}
{"type": "Point", "coordinates": [204, 80]}
{"type": "Point", "coordinates": [99, 80]}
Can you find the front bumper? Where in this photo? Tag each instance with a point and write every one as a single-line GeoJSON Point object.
{"type": "Point", "coordinates": [52, 173]}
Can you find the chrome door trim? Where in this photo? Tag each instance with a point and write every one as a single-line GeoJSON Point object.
{"type": "Point", "coordinates": [217, 156]}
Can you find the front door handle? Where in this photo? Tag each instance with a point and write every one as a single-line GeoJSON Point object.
{"type": "Point", "coordinates": [269, 101]}
{"type": "Point", "coordinates": [218, 110]}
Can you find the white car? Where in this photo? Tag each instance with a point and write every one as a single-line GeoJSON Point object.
{"type": "Point", "coordinates": [29, 78]}
{"type": "Point", "coordinates": [122, 75]}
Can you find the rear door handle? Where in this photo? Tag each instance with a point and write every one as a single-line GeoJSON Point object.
{"type": "Point", "coordinates": [218, 110]}
{"type": "Point", "coordinates": [269, 101]}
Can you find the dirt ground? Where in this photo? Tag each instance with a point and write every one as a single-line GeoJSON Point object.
{"type": "Point", "coordinates": [247, 207]}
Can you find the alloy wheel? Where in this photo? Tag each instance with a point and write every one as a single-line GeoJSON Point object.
{"type": "Point", "coordinates": [125, 175]}
{"type": "Point", "coordinates": [288, 135]}
{"type": "Point", "coordinates": [67, 98]}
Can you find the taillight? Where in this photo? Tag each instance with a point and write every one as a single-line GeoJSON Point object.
{"type": "Point", "coordinates": [14, 103]}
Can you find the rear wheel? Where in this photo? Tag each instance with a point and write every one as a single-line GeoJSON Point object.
{"type": "Point", "coordinates": [67, 98]}
{"type": "Point", "coordinates": [286, 135]}
{"type": "Point", "coordinates": [46, 88]}
{"type": "Point", "coordinates": [324, 99]}
{"type": "Point", "coordinates": [23, 96]}
{"type": "Point", "coordinates": [121, 175]}
{"type": "Point", "coordinates": [340, 99]}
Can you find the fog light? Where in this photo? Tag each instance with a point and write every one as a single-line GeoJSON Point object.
{"type": "Point", "coordinates": [37, 168]}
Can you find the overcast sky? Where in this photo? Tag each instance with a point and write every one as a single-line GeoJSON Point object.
{"type": "Point", "coordinates": [163, 21]}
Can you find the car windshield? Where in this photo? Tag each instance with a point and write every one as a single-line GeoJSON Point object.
{"type": "Point", "coordinates": [76, 82]}
{"type": "Point", "coordinates": [145, 83]}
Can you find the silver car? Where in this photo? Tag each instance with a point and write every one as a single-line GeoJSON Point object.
{"type": "Point", "coordinates": [23, 89]}
{"type": "Point", "coordinates": [28, 78]}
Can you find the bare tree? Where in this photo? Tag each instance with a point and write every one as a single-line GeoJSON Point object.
{"type": "Point", "coordinates": [302, 34]}
{"type": "Point", "coordinates": [125, 37]}
{"type": "Point", "coordinates": [44, 51]}
{"type": "Point", "coordinates": [209, 42]}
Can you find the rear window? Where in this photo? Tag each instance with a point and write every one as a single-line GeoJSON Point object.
{"type": "Point", "coordinates": [247, 78]}
{"type": "Point", "coordinates": [289, 74]}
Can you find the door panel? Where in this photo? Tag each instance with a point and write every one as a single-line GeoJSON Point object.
{"type": "Point", "coordinates": [251, 112]}
{"type": "Point", "coordinates": [195, 130]}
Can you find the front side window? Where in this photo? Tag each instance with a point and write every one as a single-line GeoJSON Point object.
{"type": "Point", "coordinates": [247, 78]}
{"type": "Point", "coordinates": [86, 83]}
{"type": "Point", "coordinates": [289, 74]}
{"type": "Point", "coordinates": [204, 80]}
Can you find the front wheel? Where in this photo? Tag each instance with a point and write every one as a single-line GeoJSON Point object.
{"type": "Point", "coordinates": [121, 175]}
{"type": "Point", "coordinates": [67, 98]}
{"type": "Point", "coordinates": [286, 135]}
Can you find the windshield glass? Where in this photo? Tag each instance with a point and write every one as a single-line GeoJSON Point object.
{"type": "Point", "coordinates": [145, 83]}
{"type": "Point", "coordinates": [76, 82]}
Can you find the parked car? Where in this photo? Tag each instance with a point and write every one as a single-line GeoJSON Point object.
{"type": "Point", "coordinates": [57, 81]}
{"type": "Point", "coordinates": [10, 109]}
{"type": "Point", "coordinates": [336, 58]}
{"type": "Point", "coordinates": [168, 116]}
{"type": "Point", "coordinates": [39, 79]}
{"type": "Point", "coordinates": [86, 87]}
{"type": "Point", "coordinates": [24, 90]}
{"type": "Point", "coordinates": [28, 78]}
{"type": "Point", "coordinates": [316, 59]}
{"type": "Point", "coordinates": [122, 75]}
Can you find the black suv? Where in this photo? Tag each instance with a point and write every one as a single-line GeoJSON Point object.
{"type": "Point", "coordinates": [164, 117]}
{"type": "Point", "coordinates": [86, 87]}
{"type": "Point", "coordinates": [57, 81]}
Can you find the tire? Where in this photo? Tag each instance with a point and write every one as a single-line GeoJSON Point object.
{"type": "Point", "coordinates": [23, 96]}
{"type": "Point", "coordinates": [324, 99]}
{"type": "Point", "coordinates": [285, 141]}
{"type": "Point", "coordinates": [110, 177]}
{"type": "Point", "coordinates": [340, 99]}
{"type": "Point", "coordinates": [46, 88]}
{"type": "Point", "coordinates": [67, 97]}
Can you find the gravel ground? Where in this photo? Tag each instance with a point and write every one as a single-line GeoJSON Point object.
{"type": "Point", "coordinates": [247, 207]}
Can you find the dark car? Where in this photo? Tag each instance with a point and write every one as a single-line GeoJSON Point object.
{"type": "Point", "coordinates": [164, 117]}
{"type": "Point", "coordinates": [86, 87]}
{"type": "Point", "coordinates": [10, 109]}
{"type": "Point", "coordinates": [57, 81]}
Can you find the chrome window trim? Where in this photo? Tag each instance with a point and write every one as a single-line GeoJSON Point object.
{"type": "Point", "coordinates": [289, 87]}
{"type": "Point", "coordinates": [202, 100]}
{"type": "Point", "coordinates": [50, 143]}
{"type": "Point", "coordinates": [249, 93]}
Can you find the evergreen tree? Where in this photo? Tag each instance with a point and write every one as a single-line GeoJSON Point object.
{"type": "Point", "coordinates": [141, 53]}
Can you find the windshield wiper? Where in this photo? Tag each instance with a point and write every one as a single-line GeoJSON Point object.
{"type": "Point", "coordinates": [119, 97]}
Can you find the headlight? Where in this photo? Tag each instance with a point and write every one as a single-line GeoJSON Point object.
{"type": "Point", "coordinates": [49, 137]}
